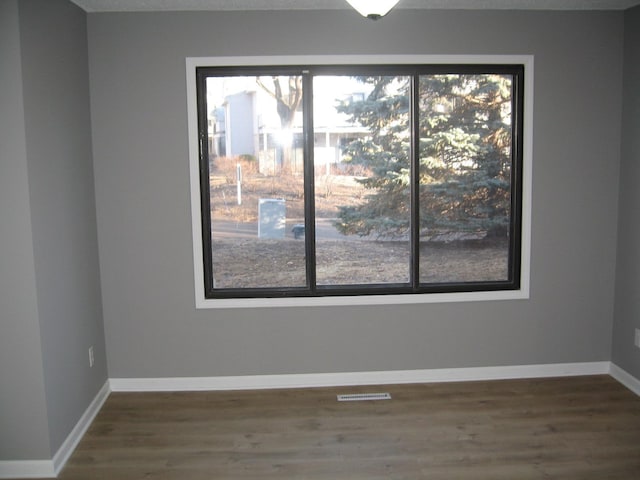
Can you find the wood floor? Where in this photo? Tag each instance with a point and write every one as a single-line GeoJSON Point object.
{"type": "Point", "coordinates": [569, 428]}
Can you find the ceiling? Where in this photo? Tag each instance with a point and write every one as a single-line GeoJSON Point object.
{"type": "Point", "coordinates": [177, 5]}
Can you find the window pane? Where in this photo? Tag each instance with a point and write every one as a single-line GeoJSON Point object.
{"type": "Point", "coordinates": [256, 181]}
{"type": "Point", "coordinates": [362, 187]}
{"type": "Point", "coordinates": [465, 176]}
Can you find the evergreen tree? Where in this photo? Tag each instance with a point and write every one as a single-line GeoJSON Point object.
{"type": "Point", "coordinates": [464, 156]}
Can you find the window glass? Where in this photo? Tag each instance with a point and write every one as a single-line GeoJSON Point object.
{"type": "Point", "coordinates": [256, 181]}
{"type": "Point", "coordinates": [465, 177]}
{"type": "Point", "coordinates": [362, 186]}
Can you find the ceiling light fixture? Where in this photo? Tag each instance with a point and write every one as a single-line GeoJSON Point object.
{"type": "Point", "coordinates": [373, 9]}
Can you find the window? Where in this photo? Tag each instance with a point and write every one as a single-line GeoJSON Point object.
{"type": "Point", "coordinates": [359, 180]}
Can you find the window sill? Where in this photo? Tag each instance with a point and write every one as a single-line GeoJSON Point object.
{"type": "Point", "coordinates": [522, 294]}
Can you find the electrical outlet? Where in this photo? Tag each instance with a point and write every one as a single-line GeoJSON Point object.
{"type": "Point", "coordinates": [91, 359]}
{"type": "Point", "coordinates": [637, 341]}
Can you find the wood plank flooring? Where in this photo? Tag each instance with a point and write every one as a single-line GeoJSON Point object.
{"type": "Point", "coordinates": [562, 428]}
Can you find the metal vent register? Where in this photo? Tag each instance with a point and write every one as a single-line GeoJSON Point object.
{"type": "Point", "coordinates": [359, 397]}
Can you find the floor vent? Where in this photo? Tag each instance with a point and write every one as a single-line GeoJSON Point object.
{"type": "Point", "coordinates": [360, 397]}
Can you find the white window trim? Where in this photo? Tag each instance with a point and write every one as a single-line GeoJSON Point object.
{"type": "Point", "coordinates": [192, 111]}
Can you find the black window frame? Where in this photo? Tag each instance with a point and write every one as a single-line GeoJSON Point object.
{"type": "Point", "coordinates": [515, 236]}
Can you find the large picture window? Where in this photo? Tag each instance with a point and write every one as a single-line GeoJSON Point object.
{"type": "Point", "coordinates": [358, 180]}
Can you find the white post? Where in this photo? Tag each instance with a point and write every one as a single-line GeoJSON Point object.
{"type": "Point", "coordinates": [239, 182]}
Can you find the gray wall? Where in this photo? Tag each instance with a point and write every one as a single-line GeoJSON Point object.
{"type": "Point", "coordinates": [50, 261]}
{"type": "Point", "coordinates": [23, 414]}
{"type": "Point", "coordinates": [627, 307]}
{"type": "Point", "coordinates": [142, 189]}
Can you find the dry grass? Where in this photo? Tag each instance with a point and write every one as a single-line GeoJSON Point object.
{"type": "Point", "coordinates": [242, 260]}
{"type": "Point", "coordinates": [331, 191]}
{"type": "Point", "coordinates": [281, 263]}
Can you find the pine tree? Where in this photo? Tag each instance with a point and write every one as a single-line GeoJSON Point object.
{"type": "Point", "coordinates": [464, 156]}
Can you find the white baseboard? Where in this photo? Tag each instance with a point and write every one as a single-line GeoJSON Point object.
{"type": "Point", "coordinates": [625, 378]}
{"type": "Point", "coordinates": [258, 382]}
{"type": "Point", "coordinates": [51, 468]}
{"type": "Point", "coordinates": [72, 440]}
{"type": "Point", "coordinates": [27, 469]}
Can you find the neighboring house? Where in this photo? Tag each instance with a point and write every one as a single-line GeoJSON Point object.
{"type": "Point", "coordinates": [245, 122]}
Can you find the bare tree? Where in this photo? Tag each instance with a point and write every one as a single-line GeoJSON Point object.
{"type": "Point", "coordinates": [288, 101]}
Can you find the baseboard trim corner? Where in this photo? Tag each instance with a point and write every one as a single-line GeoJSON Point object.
{"type": "Point", "coordinates": [625, 378]}
{"type": "Point", "coordinates": [51, 468]}
{"type": "Point", "coordinates": [27, 469]}
{"type": "Point", "coordinates": [259, 382]}
{"type": "Point", "coordinates": [74, 437]}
